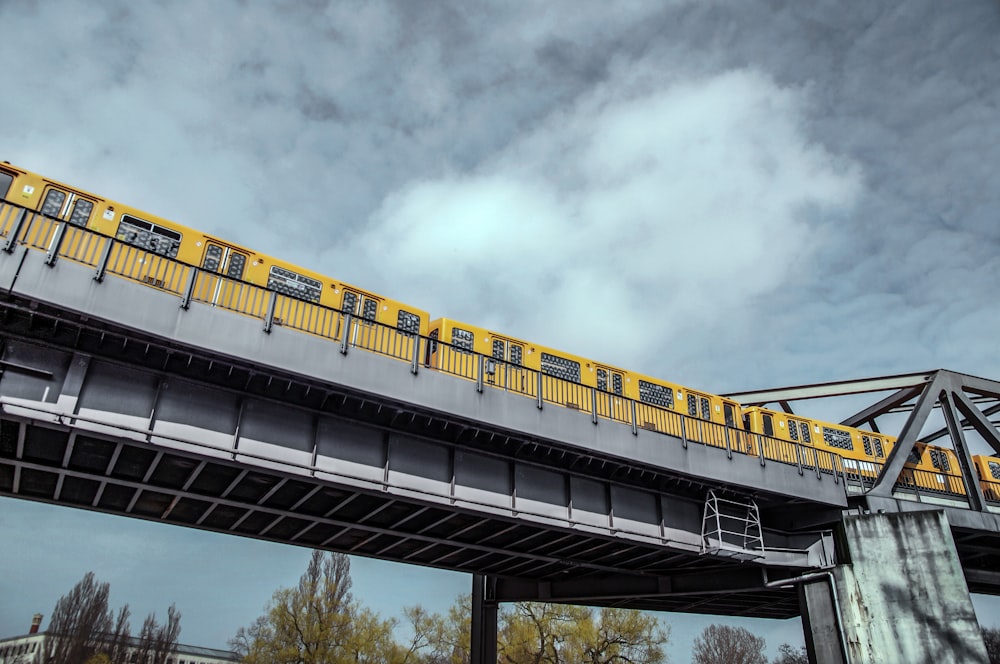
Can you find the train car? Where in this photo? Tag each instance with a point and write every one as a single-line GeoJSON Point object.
{"type": "Point", "coordinates": [862, 452]}
{"type": "Point", "coordinates": [513, 364]}
{"type": "Point", "coordinates": [577, 382]}
{"type": "Point", "coordinates": [157, 251]}
{"type": "Point", "coordinates": [934, 469]}
{"type": "Point", "coordinates": [989, 475]}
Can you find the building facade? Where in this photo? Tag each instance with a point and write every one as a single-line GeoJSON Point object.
{"type": "Point", "coordinates": [30, 649]}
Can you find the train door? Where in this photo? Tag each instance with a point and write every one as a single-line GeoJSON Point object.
{"type": "Point", "coordinates": [221, 261]}
{"type": "Point", "coordinates": [363, 309]}
{"type": "Point", "coordinates": [62, 205]}
{"type": "Point", "coordinates": [739, 439]}
{"type": "Point", "coordinates": [66, 206]}
{"type": "Point", "coordinates": [507, 369]}
{"type": "Point", "coordinates": [610, 393]}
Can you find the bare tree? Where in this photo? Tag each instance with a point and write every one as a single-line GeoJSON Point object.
{"type": "Point", "coordinates": [789, 655]}
{"type": "Point", "coordinates": [991, 638]}
{"type": "Point", "coordinates": [80, 621]}
{"type": "Point", "coordinates": [117, 646]}
{"type": "Point", "coordinates": [723, 644]}
{"type": "Point", "coordinates": [157, 641]}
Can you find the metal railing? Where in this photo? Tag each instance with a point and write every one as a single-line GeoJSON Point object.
{"type": "Point", "coordinates": [106, 255]}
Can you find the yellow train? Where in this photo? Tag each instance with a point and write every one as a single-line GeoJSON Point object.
{"type": "Point", "coordinates": [577, 382]}
{"type": "Point", "coordinates": [234, 277]}
{"type": "Point", "coordinates": [929, 468]}
{"type": "Point", "coordinates": [224, 266]}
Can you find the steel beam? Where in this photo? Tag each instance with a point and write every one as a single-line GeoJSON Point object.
{"type": "Point", "coordinates": [832, 389]}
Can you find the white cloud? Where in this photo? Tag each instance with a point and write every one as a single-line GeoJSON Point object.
{"type": "Point", "coordinates": [634, 217]}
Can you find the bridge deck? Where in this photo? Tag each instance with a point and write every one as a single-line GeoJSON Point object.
{"type": "Point", "coordinates": [115, 398]}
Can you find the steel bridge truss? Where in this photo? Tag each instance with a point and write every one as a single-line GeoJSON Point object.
{"type": "Point", "coordinates": [965, 403]}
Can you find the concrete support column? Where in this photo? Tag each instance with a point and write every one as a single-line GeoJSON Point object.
{"type": "Point", "coordinates": [901, 595]}
{"type": "Point", "coordinates": [484, 621]}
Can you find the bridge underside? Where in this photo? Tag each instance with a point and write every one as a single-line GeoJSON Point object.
{"type": "Point", "coordinates": [100, 416]}
{"type": "Point", "coordinates": [62, 466]}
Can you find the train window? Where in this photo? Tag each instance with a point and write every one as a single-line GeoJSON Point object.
{"type": "Point", "coordinates": [237, 262]}
{"type": "Point", "coordinates": [706, 408]}
{"type": "Point", "coordinates": [52, 205]}
{"type": "Point", "coordinates": [838, 438]}
{"type": "Point", "coordinates": [793, 430]}
{"type": "Point", "coordinates": [151, 237]}
{"type": "Point", "coordinates": [81, 212]}
{"type": "Point", "coordinates": [877, 442]}
{"type": "Point", "coordinates": [369, 309]}
{"type": "Point", "coordinates": [516, 354]}
{"type": "Point", "coordinates": [658, 395]}
{"type": "Point", "coordinates": [804, 428]}
{"type": "Point", "coordinates": [616, 383]}
{"type": "Point", "coordinates": [730, 419]}
{"type": "Point", "coordinates": [914, 457]}
{"type": "Point", "coordinates": [560, 367]}
{"type": "Point", "coordinates": [940, 460]}
{"type": "Point", "coordinates": [408, 322]}
{"type": "Point", "coordinates": [284, 281]}
{"type": "Point", "coordinates": [6, 179]}
{"type": "Point", "coordinates": [768, 425]}
{"type": "Point", "coordinates": [602, 380]}
{"type": "Point", "coordinates": [462, 339]}
{"type": "Point", "coordinates": [994, 469]}
{"type": "Point", "coordinates": [867, 442]}
{"type": "Point", "coordinates": [350, 303]}
{"type": "Point", "coordinates": [498, 348]}
{"type": "Point", "coordinates": [213, 258]}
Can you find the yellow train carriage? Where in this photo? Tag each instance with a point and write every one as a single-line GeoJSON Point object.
{"type": "Point", "coordinates": [934, 469]}
{"type": "Point", "coordinates": [989, 475]}
{"type": "Point", "coordinates": [577, 382]}
{"type": "Point", "coordinates": [680, 411]}
{"type": "Point", "coordinates": [789, 437]}
{"type": "Point", "coordinates": [160, 253]}
{"type": "Point", "coordinates": [512, 364]}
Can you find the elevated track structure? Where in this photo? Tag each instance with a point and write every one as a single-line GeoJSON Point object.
{"type": "Point", "coordinates": [137, 385]}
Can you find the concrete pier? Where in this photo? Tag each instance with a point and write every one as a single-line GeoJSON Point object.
{"type": "Point", "coordinates": [899, 596]}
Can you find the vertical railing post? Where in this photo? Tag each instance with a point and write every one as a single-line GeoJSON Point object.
{"type": "Point", "coordinates": [729, 448]}
{"type": "Point", "coordinates": [15, 231]}
{"type": "Point", "coordinates": [415, 367]}
{"type": "Point", "coordinates": [347, 334]}
{"type": "Point", "coordinates": [57, 238]}
{"type": "Point", "coordinates": [102, 263]}
{"type": "Point", "coordinates": [539, 390]}
{"type": "Point", "coordinates": [272, 303]}
{"type": "Point", "coordinates": [816, 459]}
{"type": "Point", "coordinates": [480, 369]}
{"type": "Point", "coordinates": [635, 422]}
{"type": "Point", "coordinates": [798, 456]}
{"type": "Point", "coordinates": [189, 290]}
{"type": "Point", "coordinates": [593, 404]}
{"type": "Point", "coordinates": [760, 448]}
{"type": "Point", "coordinates": [684, 436]}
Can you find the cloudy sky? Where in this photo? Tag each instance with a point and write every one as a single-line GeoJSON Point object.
{"type": "Point", "coordinates": [731, 195]}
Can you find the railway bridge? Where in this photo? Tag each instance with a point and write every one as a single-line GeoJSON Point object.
{"type": "Point", "coordinates": [139, 386]}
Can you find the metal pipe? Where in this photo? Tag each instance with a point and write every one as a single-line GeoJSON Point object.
{"type": "Point", "coordinates": [818, 576]}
